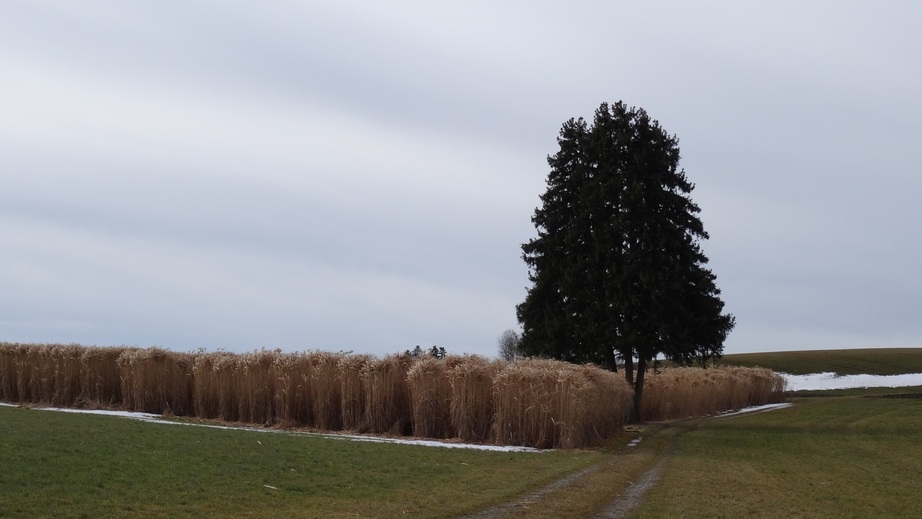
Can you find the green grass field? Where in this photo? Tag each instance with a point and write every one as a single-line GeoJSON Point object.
{"type": "Point", "coordinates": [69, 465]}
{"type": "Point", "coordinates": [844, 453]}
{"type": "Point", "coordinates": [838, 456]}
{"type": "Point", "coordinates": [884, 361]}
{"type": "Point", "coordinates": [845, 456]}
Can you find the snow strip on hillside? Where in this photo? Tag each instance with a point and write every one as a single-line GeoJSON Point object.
{"type": "Point", "coordinates": [820, 381]}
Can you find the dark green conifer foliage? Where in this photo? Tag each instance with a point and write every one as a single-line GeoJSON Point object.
{"type": "Point", "coordinates": [617, 269]}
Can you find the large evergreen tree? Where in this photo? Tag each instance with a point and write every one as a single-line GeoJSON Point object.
{"type": "Point", "coordinates": [617, 269]}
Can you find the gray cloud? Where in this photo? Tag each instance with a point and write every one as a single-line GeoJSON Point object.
{"type": "Point", "coordinates": [360, 175]}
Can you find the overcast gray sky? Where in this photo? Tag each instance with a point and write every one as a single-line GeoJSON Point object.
{"type": "Point", "coordinates": [360, 175]}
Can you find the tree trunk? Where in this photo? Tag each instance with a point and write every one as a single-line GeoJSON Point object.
{"type": "Point", "coordinates": [629, 369]}
{"type": "Point", "coordinates": [638, 389]}
{"type": "Point", "coordinates": [611, 360]}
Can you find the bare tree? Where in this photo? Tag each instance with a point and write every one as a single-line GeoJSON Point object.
{"type": "Point", "coordinates": [509, 345]}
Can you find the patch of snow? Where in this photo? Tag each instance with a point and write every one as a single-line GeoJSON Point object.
{"type": "Point", "coordinates": [153, 418]}
{"type": "Point", "coordinates": [4, 404]}
{"type": "Point", "coordinates": [828, 380]}
{"type": "Point", "coordinates": [146, 417]}
{"type": "Point", "coordinates": [432, 443]}
{"type": "Point", "coordinates": [756, 409]}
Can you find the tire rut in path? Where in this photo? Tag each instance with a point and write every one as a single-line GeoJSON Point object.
{"type": "Point", "coordinates": [622, 504]}
{"type": "Point", "coordinates": [533, 497]}
{"type": "Point", "coordinates": [633, 496]}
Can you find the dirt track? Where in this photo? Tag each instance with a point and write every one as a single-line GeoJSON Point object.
{"type": "Point", "coordinates": [632, 498]}
{"type": "Point", "coordinates": [535, 497]}
{"type": "Point", "coordinates": [624, 497]}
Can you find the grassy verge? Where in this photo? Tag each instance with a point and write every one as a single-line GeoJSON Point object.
{"type": "Point", "coordinates": [883, 361]}
{"type": "Point", "coordinates": [845, 456]}
{"type": "Point", "coordinates": [66, 465]}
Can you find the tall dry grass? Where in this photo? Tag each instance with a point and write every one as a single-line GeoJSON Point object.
{"type": "Point", "coordinates": [15, 371]}
{"type": "Point", "coordinates": [387, 395]}
{"type": "Point", "coordinates": [613, 397]}
{"type": "Point", "coordinates": [471, 405]}
{"type": "Point", "coordinates": [227, 375]}
{"type": "Point", "coordinates": [59, 375]}
{"type": "Point", "coordinates": [538, 403]}
{"type": "Point", "coordinates": [157, 381]}
{"type": "Point", "coordinates": [206, 393]}
{"type": "Point", "coordinates": [293, 391]}
{"type": "Point", "coordinates": [430, 398]}
{"type": "Point", "coordinates": [353, 400]}
{"type": "Point", "coordinates": [546, 403]}
{"type": "Point", "coordinates": [65, 379]}
{"type": "Point", "coordinates": [22, 367]}
{"type": "Point", "coordinates": [49, 375]}
{"type": "Point", "coordinates": [326, 390]}
{"type": "Point", "coordinates": [100, 377]}
{"type": "Point", "coordinates": [677, 393]}
{"type": "Point", "coordinates": [256, 379]}
{"type": "Point", "coordinates": [9, 353]}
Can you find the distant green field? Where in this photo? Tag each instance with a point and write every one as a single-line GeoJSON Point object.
{"type": "Point", "coordinates": [884, 361]}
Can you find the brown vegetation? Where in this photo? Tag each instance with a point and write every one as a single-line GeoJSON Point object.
{"type": "Point", "coordinates": [540, 403]}
{"type": "Point", "coordinates": [387, 395]}
{"type": "Point", "coordinates": [430, 396]}
{"type": "Point", "coordinates": [353, 391]}
{"type": "Point", "coordinates": [156, 381]}
{"type": "Point", "coordinates": [548, 403]}
{"type": "Point", "coordinates": [686, 392]}
{"type": "Point", "coordinates": [471, 407]}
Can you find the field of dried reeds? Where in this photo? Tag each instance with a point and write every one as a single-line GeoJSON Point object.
{"type": "Point", "coordinates": [538, 403]}
{"type": "Point", "coordinates": [675, 393]}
